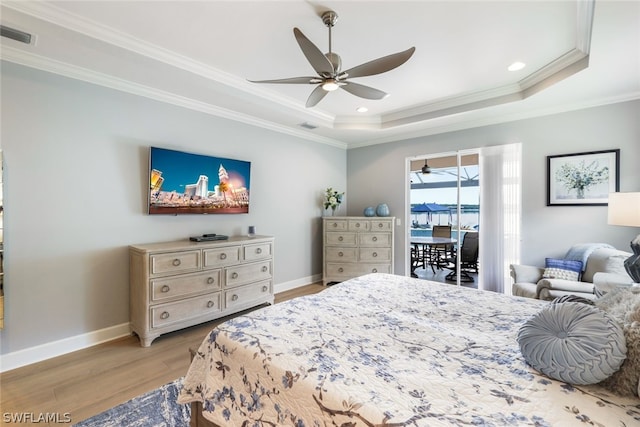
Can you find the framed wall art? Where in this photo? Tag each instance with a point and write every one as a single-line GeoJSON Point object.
{"type": "Point", "coordinates": [581, 179]}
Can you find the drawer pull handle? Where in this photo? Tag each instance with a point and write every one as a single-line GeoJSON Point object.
{"type": "Point", "coordinates": [380, 225]}
{"type": "Point", "coordinates": [259, 250]}
{"type": "Point", "coordinates": [375, 254]}
{"type": "Point", "coordinates": [210, 280]}
{"type": "Point", "coordinates": [223, 256]}
{"type": "Point", "coordinates": [341, 269]}
{"type": "Point", "coordinates": [375, 239]}
{"type": "Point", "coordinates": [357, 225]}
{"type": "Point", "coordinates": [166, 288]}
{"type": "Point", "coordinates": [340, 253]}
{"type": "Point", "coordinates": [234, 275]}
{"type": "Point", "coordinates": [335, 224]}
{"type": "Point", "coordinates": [210, 304]}
{"type": "Point", "coordinates": [265, 288]}
{"type": "Point", "coordinates": [164, 315]}
{"type": "Point", "coordinates": [265, 268]}
{"type": "Point", "coordinates": [340, 238]}
{"type": "Point", "coordinates": [234, 297]}
{"type": "Point", "coordinates": [375, 270]}
{"type": "Point", "coordinates": [176, 262]}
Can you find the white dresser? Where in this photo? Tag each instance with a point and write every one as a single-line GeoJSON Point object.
{"type": "Point", "coordinates": [174, 285]}
{"type": "Point", "coordinates": [354, 246]}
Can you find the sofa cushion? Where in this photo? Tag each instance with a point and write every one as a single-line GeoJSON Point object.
{"type": "Point", "coordinates": [606, 261]}
{"type": "Point", "coordinates": [562, 269]}
{"type": "Point", "coordinates": [573, 342]}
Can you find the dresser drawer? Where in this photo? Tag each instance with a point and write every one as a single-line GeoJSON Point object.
{"type": "Point", "coordinates": [219, 257]}
{"type": "Point", "coordinates": [381, 225]}
{"type": "Point", "coordinates": [335, 224]}
{"type": "Point", "coordinates": [340, 254]}
{"type": "Point", "coordinates": [354, 270]}
{"type": "Point", "coordinates": [359, 225]}
{"type": "Point", "coordinates": [179, 286]}
{"type": "Point", "coordinates": [241, 274]}
{"type": "Point", "coordinates": [245, 294]}
{"type": "Point", "coordinates": [257, 251]}
{"type": "Point", "coordinates": [175, 262]}
{"type": "Point", "coordinates": [166, 314]}
{"type": "Point", "coordinates": [375, 254]}
{"type": "Point", "coordinates": [341, 239]}
{"type": "Point", "coordinates": [375, 239]}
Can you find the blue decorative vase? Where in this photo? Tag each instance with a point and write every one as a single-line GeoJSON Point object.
{"type": "Point", "coordinates": [382, 210]}
{"type": "Point", "coordinates": [369, 211]}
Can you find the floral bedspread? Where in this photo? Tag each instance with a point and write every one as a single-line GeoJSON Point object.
{"type": "Point", "coordinates": [385, 350]}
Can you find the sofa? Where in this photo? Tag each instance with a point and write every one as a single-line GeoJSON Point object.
{"type": "Point", "coordinates": [602, 271]}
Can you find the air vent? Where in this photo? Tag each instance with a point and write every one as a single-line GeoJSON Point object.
{"type": "Point", "coordinates": [307, 126]}
{"type": "Point", "coordinates": [13, 34]}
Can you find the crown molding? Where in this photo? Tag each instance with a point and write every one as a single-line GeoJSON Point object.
{"type": "Point", "coordinates": [33, 60]}
{"type": "Point", "coordinates": [494, 119]}
{"type": "Point", "coordinates": [443, 115]}
{"type": "Point", "coordinates": [540, 79]}
{"type": "Point", "coordinates": [57, 16]}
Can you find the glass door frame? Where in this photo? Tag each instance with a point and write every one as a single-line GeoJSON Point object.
{"type": "Point", "coordinates": [458, 154]}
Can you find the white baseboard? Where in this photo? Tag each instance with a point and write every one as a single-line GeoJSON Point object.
{"type": "Point", "coordinates": [287, 286]}
{"type": "Point", "coordinates": [46, 351]}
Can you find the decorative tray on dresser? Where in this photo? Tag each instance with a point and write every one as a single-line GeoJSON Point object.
{"type": "Point", "coordinates": [353, 246]}
{"type": "Point", "coordinates": [178, 284]}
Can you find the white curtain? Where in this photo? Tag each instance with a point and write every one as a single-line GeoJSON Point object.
{"type": "Point", "coordinates": [500, 215]}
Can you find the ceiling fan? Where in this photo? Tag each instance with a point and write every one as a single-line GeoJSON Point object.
{"type": "Point", "coordinates": [328, 66]}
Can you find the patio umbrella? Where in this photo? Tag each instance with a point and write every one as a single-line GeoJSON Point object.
{"type": "Point", "coordinates": [428, 208]}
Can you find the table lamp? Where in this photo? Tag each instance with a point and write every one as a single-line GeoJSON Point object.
{"type": "Point", "coordinates": [624, 209]}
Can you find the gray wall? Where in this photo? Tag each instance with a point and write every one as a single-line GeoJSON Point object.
{"type": "Point", "coordinates": [76, 165]}
{"type": "Point", "coordinates": [76, 177]}
{"type": "Point", "coordinates": [546, 231]}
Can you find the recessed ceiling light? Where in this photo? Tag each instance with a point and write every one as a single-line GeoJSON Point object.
{"type": "Point", "coordinates": [362, 109]}
{"type": "Point", "coordinates": [516, 66]}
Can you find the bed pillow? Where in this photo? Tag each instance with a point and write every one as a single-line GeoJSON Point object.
{"type": "Point", "coordinates": [624, 305]}
{"type": "Point", "coordinates": [562, 269]}
{"type": "Point", "coordinates": [573, 342]}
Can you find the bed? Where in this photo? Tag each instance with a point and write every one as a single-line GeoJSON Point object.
{"type": "Point", "coordinates": [386, 350]}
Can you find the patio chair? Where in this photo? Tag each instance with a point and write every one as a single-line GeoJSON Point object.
{"type": "Point", "coordinates": [438, 254]}
{"type": "Point", "coordinates": [468, 259]}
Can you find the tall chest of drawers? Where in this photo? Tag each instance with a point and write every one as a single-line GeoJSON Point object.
{"type": "Point", "coordinates": [174, 285]}
{"type": "Point", "coordinates": [353, 246]}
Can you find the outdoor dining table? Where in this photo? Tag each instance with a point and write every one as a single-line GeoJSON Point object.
{"type": "Point", "coordinates": [427, 242]}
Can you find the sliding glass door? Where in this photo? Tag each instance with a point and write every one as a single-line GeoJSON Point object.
{"type": "Point", "coordinates": [444, 208]}
{"type": "Point", "coordinates": [477, 194]}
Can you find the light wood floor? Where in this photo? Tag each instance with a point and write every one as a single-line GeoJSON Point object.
{"type": "Point", "coordinates": [86, 382]}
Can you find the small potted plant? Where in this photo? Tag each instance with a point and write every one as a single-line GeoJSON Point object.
{"type": "Point", "coordinates": [332, 199]}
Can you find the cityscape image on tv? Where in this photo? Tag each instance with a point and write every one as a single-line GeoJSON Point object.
{"type": "Point", "coordinates": [197, 184]}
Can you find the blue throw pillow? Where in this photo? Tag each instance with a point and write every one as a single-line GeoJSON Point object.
{"type": "Point", "coordinates": [562, 269]}
{"type": "Point", "coordinates": [573, 342]}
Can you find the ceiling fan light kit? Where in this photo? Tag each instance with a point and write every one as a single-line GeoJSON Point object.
{"type": "Point", "coordinates": [329, 68]}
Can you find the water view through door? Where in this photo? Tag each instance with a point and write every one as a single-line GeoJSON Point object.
{"type": "Point", "coordinates": [444, 208]}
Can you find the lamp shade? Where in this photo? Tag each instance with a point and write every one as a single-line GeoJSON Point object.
{"type": "Point", "coordinates": [624, 209]}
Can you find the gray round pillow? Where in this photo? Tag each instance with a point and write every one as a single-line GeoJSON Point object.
{"type": "Point", "coordinates": [573, 342]}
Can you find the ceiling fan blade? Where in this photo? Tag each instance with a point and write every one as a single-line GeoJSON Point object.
{"type": "Point", "coordinates": [380, 65]}
{"type": "Point", "coordinates": [316, 96]}
{"type": "Point", "coordinates": [294, 80]}
{"type": "Point", "coordinates": [316, 58]}
{"type": "Point", "coordinates": [363, 91]}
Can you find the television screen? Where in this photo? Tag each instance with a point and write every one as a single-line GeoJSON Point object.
{"type": "Point", "coordinates": [187, 183]}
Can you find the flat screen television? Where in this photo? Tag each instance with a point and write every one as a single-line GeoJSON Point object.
{"type": "Point", "coordinates": [187, 183]}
